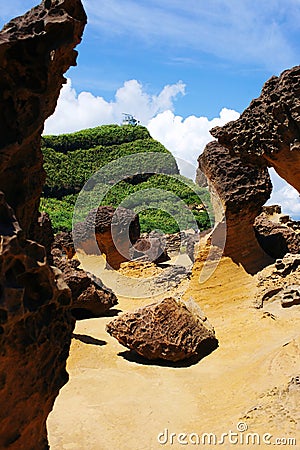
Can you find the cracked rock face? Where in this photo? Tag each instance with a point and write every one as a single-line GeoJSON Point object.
{"type": "Point", "coordinates": [35, 51]}
{"type": "Point", "coordinates": [35, 335]}
{"type": "Point", "coordinates": [268, 131]}
{"type": "Point", "coordinates": [166, 330]}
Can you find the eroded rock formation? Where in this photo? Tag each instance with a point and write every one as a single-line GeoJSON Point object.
{"type": "Point", "coordinates": [89, 298]}
{"type": "Point", "coordinates": [35, 51]}
{"type": "Point", "coordinates": [167, 330]}
{"type": "Point", "coordinates": [277, 282]}
{"type": "Point", "coordinates": [268, 132]}
{"type": "Point", "coordinates": [116, 230]}
{"type": "Point", "coordinates": [35, 334]}
{"type": "Point", "coordinates": [36, 323]}
{"type": "Point", "coordinates": [150, 248]}
{"type": "Point", "coordinates": [275, 237]}
{"type": "Point", "coordinates": [242, 190]}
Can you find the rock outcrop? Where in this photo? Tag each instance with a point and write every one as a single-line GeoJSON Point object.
{"type": "Point", "coordinates": [35, 318]}
{"type": "Point", "coordinates": [42, 233]}
{"type": "Point", "coordinates": [150, 248]}
{"type": "Point", "coordinates": [64, 242]}
{"type": "Point", "coordinates": [242, 191]}
{"type": "Point", "coordinates": [276, 238]}
{"type": "Point", "coordinates": [89, 297]}
{"type": "Point", "coordinates": [167, 330]}
{"type": "Point", "coordinates": [35, 334]}
{"type": "Point", "coordinates": [116, 230]}
{"type": "Point", "coordinates": [277, 282]}
{"type": "Point", "coordinates": [35, 51]}
{"type": "Point", "coordinates": [268, 132]}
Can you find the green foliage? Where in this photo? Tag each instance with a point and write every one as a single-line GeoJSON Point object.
{"type": "Point", "coordinates": [105, 135]}
{"type": "Point", "coordinates": [60, 212]}
{"type": "Point", "coordinates": [164, 202]}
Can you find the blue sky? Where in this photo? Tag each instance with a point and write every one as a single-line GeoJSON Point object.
{"type": "Point", "coordinates": [175, 65]}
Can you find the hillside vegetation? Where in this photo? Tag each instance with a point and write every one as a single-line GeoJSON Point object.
{"type": "Point", "coordinates": [71, 159]}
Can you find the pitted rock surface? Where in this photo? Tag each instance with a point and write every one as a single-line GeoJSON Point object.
{"type": "Point", "coordinates": [277, 239]}
{"type": "Point", "coordinates": [90, 298]}
{"type": "Point", "coordinates": [35, 335]}
{"type": "Point", "coordinates": [268, 131]}
{"type": "Point", "coordinates": [35, 51]}
{"type": "Point", "coordinates": [166, 330]}
{"type": "Point", "coordinates": [36, 323]}
{"type": "Point", "coordinates": [241, 191]}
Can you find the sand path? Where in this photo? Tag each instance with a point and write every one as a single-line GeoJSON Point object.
{"type": "Point", "coordinates": [112, 402]}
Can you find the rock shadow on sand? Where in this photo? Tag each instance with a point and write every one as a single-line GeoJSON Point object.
{"type": "Point", "coordinates": [88, 339]}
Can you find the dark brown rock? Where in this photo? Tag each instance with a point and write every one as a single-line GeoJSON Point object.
{"type": "Point", "coordinates": [35, 334]}
{"type": "Point", "coordinates": [242, 191]}
{"type": "Point", "coordinates": [42, 233]}
{"type": "Point", "coordinates": [290, 296]}
{"type": "Point", "coordinates": [275, 238]}
{"type": "Point", "coordinates": [89, 297]}
{"type": "Point", "coordinates": [268, 131]}
{"type": "Point", "coordinates": [36, 323]}
{"type": "Point", "coordinates": [35, 51]}
{"type": "Point", "coordinates": [151, 248]}
{"type": "Point", "coordinates": [116, 230]}
{"type": "Point", "coordinates": [167, 330]}
{"type": "Point", "coordinates": [64, 242]}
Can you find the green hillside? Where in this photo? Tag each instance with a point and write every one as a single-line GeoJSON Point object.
{"type": "Point", "coordinates": [71, 159]}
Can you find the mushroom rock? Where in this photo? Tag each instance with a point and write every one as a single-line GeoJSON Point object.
{"type": "Point", "coordinates": [89, 297]}
{"type": "Point", "coordinates": [115, 230]}
{"type": "Point", "coordinates": [35, 335]}
{"type": "Point", "coordinates": [35, 51]}
{"type": "Point", "coordinates": [169, 330]}
{"type": "Point", "coordinates": [242, 191]}
{"type": "Point", "coordinates": [268, 132]}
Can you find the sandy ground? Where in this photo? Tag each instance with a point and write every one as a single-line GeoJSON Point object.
{"type": "Point", "coordinates": [114, 401]}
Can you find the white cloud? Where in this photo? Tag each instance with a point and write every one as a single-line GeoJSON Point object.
{"type": "Point", "coordinates": [84, 110]}
{"type": "Point", "coordinates": [186, 138]}
{"type": "Point", "coordinates": [285, 195]}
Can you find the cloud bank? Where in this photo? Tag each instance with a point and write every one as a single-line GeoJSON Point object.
{"type": "Point", "coordinates": [84, 110]}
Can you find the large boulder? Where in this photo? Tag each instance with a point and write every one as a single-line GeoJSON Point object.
{"type": "Point", "coordinates": [168, 330]}
{"type": "Point", "coordinates": [90, 298]}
